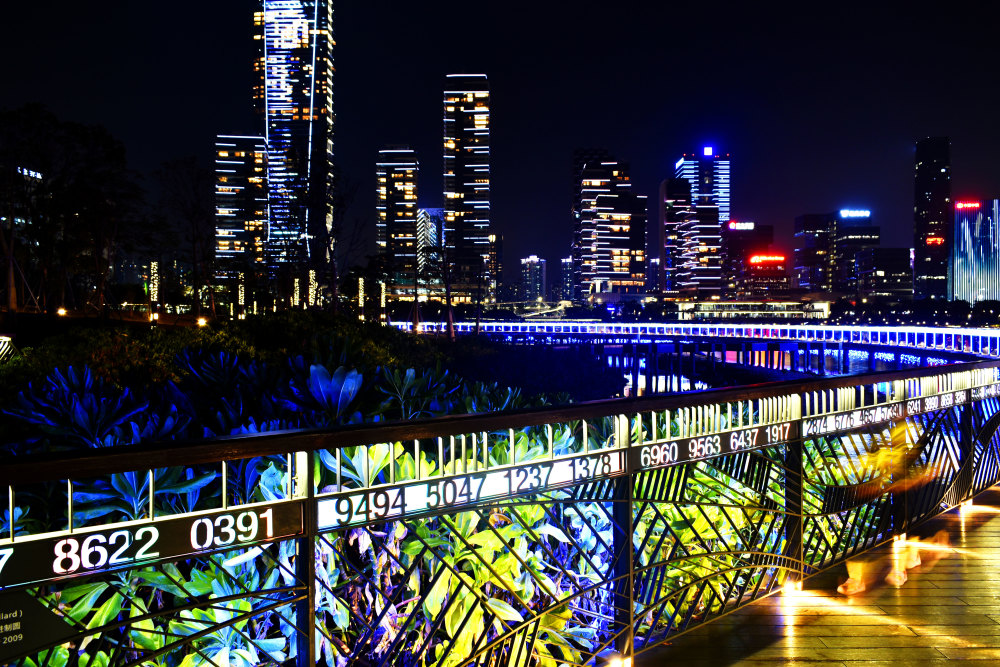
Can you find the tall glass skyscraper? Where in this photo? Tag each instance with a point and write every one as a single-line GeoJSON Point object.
{"type": "Point", "coordinates": [533, 278]}
{"type": "Point", "coordinates": [396, 226]}
{"type": "Point", "coordinates": [240, 216]}
{"type": "Point", "coordinates": [467, 228]}
{"type": "Point", "coordinates": [932, 215]}
{"type": "Point", "coordinates": [294, 92]}
{"type": "Point", "coordinates": [609, 251]}
{"type": "Point", "coordinates": [708, 175]}
{"type": "Point", "coordinates": [698, 240]}
{"type": "Point", "coordinates": [975, 261]}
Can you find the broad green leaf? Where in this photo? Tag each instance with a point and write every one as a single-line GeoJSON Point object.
{"type": "Point", "coordinates": [503, 610]}
{"type": "Point", "coordinates": [108, 611]}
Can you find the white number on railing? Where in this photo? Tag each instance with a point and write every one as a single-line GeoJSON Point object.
{"type": "Point", "coordinates": [5, 555]}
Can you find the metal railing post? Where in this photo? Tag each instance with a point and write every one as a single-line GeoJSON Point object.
{"type": "Point", "coordinates": [305, 572]}
{"type": "Point", "coordinates": [794, 519]}
{"type": "Point", "coordinates": [624, 556]}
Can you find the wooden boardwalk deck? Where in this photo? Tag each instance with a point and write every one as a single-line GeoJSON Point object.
{"type": "Point", "coordinates": [948, 611]}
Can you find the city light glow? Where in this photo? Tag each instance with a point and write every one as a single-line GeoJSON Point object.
{"type": "Point", "coordinates": [935, 240]}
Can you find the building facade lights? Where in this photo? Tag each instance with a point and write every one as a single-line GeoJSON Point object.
{"type": "Point", "coordinates": [932, 219]}
{"type": "Point", "coordinates": [467, 219]}
{"type": "Point", "coordinates": [294, 94]}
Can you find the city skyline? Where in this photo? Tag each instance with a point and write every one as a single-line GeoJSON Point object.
{"type": "Point", "coordinates": [809, 130]}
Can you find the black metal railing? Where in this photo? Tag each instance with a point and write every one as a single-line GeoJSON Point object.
{"type": "Point", "coordinates": [516, 538]}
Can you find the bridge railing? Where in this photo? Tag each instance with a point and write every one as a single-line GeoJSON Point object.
{"type": "Point", "coordinates": [980, 342]}
{"type": "Point", "coordinates": [569, 531]}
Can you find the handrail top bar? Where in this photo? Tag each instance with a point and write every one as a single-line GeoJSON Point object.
{"type": "Point", "coordinates": [162, 454]}
{"type": "Point", "coordinates": [886, 328]}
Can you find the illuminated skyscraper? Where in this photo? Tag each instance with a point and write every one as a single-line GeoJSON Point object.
{"type": "Point", "coordinates": [932, 215]}
{"type": "Point", "coordinates": [700, 256]}
{"type": "Point", "coordinates": [609, 251]}
{"type": "Point", "coordinates": [294, 92]}
{"type": "Point", "coordinates": [853, 233]}
{"type": "Point", "coordinates": [240, 216]}
{"type": "Point", "coordinates": [467, 226]}
{"type": "Point", "coordinates": [815, 235]}
{"type": "Point", "coordinates": [396, 226]}
{"type": "Point", "coordinates": [566, 279]}
{"type": "Point", "coordinates": [975, 261]}
{"type": "Point", "coordinates": [708, 174]}
{"type": "Point", "coordinates": [675, 212]}
{"type": "Point", "coordinates": [742, 240]}
{"type": "Point", "coordinates": [699, 236]}
{"type": "Point", "coordinates": [533, 278]}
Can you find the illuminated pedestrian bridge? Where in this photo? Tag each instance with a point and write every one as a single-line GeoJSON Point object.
{"type": "Point", "coordinates": [564, 535]}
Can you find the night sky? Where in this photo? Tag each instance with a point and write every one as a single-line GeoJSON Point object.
{"type": "Point", "coordinates": [819, 110]}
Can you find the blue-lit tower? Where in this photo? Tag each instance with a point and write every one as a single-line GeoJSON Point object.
{"type": "Point", "coordinates": [708, 174]}
{"type": "Point", "coordinates": [294, 92]}
{"type": "Point", "coordinates": [975, 257]}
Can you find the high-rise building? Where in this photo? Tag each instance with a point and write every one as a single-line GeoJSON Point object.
{"type": "Point", "coordinates": [853, 232]}
{"type": "Point", "coordinates": [609, 251]}
{"type": "Point", "coordinates": [429, 222]}
{"type": "Point", "coordinates": [815, 234]}
{"type": "Point", "coordinates": [566, 279]}
{"type": "Point", "coordinates": [581, 157]}
{"type": "Point", "coordinates": [708, 174]}
{"type": "Point", "coordinates": [740, 241]}
{"type": "Point", "coordinates": [240, 218]}
{"type": "Point", "coordinates": [765, 276]}
{"type": "Point", "coordinates": [675, 213]}
{"type": "Point", "coordinates": [884, 274]}
{"type": "Point", "coordinates": [698, 272]}
{"type": "Point", "coordinates": [396, 226]}
{"type": "Point", "coordinates": [975, 260]}
{"type": "Point", "coordinates": [533, 278]}
{"type": "Point", "coordinates": [294, 93]}
{"type": "Point", "coordinates": [932, 218]}
{"type": "Point", "coordinates": [826, 245]}
{"type": "Point", "coordinates": [467, 227]}
{"type": "Point", "coordinates": [700, 245]}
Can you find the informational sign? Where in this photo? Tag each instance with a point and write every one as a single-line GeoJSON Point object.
{"type": "Point", "coordinates": [359, 507]}
{"type": "Point", "coordinates": [94, 550]}
{"type": "Point", "coordinates": [684, 450]}
{"type": "Point", "coordinates": [26, 626]}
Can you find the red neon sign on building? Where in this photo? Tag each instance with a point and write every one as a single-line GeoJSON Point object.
{"type": "Point", "coordinates": [966, 204]}
{"type": "Point", "coordinates": [767, 259]}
